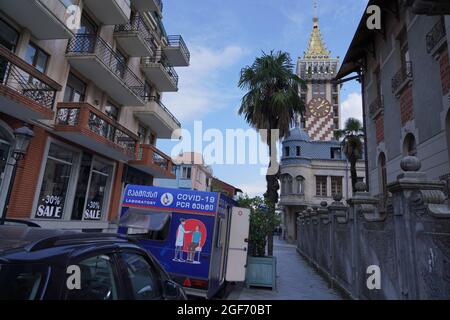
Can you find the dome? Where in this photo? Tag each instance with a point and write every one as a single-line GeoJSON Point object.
{"type": "Point", "coordinates": [297, 134]}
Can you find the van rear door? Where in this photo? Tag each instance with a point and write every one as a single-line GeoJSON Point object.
{"type": "Point", "coordinates": [238, 245]}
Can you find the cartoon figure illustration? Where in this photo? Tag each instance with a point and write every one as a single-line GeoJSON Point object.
{"type": "Point", "coordinates": [195, 243]}
{"type": "Point", "coordinates": [179, 243]}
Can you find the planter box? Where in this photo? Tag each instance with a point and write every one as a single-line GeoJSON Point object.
{"type": "Point", "coordinates": [261, 272]}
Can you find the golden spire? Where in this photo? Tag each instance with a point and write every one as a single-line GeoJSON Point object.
{"type": "Point", "coordinates": [316, 47]}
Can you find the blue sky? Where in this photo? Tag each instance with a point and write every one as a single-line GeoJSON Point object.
{"type": "Point", "coordinates": [225, 36]}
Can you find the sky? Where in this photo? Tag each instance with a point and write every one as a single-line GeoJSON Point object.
{"type": "Point", "coordinates": [225, 36]}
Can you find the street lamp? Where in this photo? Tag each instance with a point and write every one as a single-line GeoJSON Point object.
{"type": "Point", "coordinates": [23, 136]}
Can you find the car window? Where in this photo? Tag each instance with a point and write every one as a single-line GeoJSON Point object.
{"type": "Point", "coordinates": [21, 282]}
{"type": "Point", "coordinates": [98, 281]}
{"type": "Point", "coordinates": [143, 278]}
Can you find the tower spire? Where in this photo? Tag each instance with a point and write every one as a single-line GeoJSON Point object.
{"type": "Point", "coordinates": [316, 46]}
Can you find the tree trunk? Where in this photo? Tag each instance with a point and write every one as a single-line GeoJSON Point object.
{"type": "Point", "coordinates": [353, 173]}
{"type": "Point", "coordinates": [273, 186]}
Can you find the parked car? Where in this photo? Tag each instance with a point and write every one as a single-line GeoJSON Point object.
{"type": "Point", "coordinates": [42, 264]}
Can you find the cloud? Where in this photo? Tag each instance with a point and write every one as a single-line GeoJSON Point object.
{"type": "Point", "coordinates": [255, 188]}
{"type": "Point", "coordinates": [202, 86]}
{"type": "Point", "coordinates": [352, 107]}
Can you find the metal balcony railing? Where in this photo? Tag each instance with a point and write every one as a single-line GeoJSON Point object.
{"type": "Point", "coordinates": [155, 99]}
{"type": "Point", "coordinates": [18, 75]}
{"type": "Point", "coordinates": [160, 58]}
{"type": "Point", "coordinates": [151, 155]}
{"type": "Point", "coordinates": [177, 41]}
{"type": "Point", "coordinates": [83, 115]}
{"type": "Point", "coordinates": [137, 24]}
{"type": "Point", "coordinates": [435, 36]}
{"type": "Point", "coordinates": [88, 44]}
{"type": "Point", "coordinates": [376, 106]}
{"type": "Point", "coordinates": [405, 73]}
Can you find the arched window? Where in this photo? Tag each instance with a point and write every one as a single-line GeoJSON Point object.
{"type": "Point", "coordinates": [289, 185]}
{"type": "Point", "coordinates": [409, 145]}
{"type": "Point", "coordinates": [299, 185]}
{"type": "Point", "coordinates": [382, 174]}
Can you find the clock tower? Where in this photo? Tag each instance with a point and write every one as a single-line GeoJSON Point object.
{"type": "Point", "coordinates": [321, 96]}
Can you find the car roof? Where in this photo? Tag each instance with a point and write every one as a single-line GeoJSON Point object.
{"type": "Point", "coordinates": [24, 239]}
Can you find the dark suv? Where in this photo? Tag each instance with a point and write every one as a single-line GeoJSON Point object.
{"type": "Point", "coordinates": [38, 264]}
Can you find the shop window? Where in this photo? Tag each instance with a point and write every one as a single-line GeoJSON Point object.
{"type": "Point", "coordinates": [75, 89]}
{"type": "Point", "coordinates": [336, 185]}
{"type": "Point", "coordinates": [93, 195]}
{"type": "Point", "coordinates": [55, 183]}
{"type": "Point", "coordinates": [321, 186]}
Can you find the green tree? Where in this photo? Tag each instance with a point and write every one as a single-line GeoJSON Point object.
{"type": "Point", "coordinates": [271, 102]}
{"type": "Point", "coordinates": [352, 144]}
{"type": "Point", "coordinates": [262, 224]}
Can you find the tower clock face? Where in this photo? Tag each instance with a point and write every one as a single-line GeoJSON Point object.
{"type": "Point", "coordinates": [319, 107]}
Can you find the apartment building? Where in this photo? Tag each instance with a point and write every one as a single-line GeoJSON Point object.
{"type": "Point", "coordinates": [85, 80]}
{"type": "Point", "coordinates": [190, 172]}
{"type": "Point", "coordinates": [405, 75]}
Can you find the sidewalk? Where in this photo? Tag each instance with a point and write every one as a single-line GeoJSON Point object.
{"type": "Point", "coordinates": [296, 280]}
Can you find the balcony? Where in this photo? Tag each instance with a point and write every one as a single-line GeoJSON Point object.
{"type": "Point", "coordinates": [89, 127]}
{"type": "Point", "coordinates": [376, 107]}
{"type": "Point", "coordinates": [148, 5]}
{"type": "Point", "coordinates": [110, 11]}
{"type": "Point", "coordinates": [156, 116]}
{"type": "Point", "coordinates": [160, 73]}
{"type": "Point", "coordinates": [446, 178]}
{"type": "Point", "coordinates": [45, 19]}
{"type": "Point", "coordinates": [176, 52]}
{"type": "Point", "coordinates": [436, 38]}
{"type": "Point", "coordinates": [402, 78]}
{"type": "Point", "coordinates": [135, 38]}
{"type": "Point", "coordinates": [25, 93]}
{"type": "Point", "coordinates": [292, 200]}
{"type": "Point", "coordinates": [154, 162]}
{"type": "Point", "coordinates": [95, 59]}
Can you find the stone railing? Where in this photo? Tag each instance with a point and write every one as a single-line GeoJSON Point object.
{"type": "Point", "coordinates": [406, 244]}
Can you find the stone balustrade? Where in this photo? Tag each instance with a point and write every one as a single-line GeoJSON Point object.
{"type": "Point", "coordinates": [409, 241]}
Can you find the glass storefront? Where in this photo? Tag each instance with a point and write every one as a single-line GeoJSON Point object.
{"type": "Point", "coordinates": [91, 176]}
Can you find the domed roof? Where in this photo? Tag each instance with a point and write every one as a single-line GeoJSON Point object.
{"type": "Point", "coordinates": [297, 134]}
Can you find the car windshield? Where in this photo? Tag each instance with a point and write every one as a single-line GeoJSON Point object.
{"type": "Point", "coordinates": [21, 282]}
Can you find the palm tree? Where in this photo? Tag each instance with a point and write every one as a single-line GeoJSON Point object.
{"type": "Point", "coordinates": [352, 144]}
{"type": "Point", "coordinates": [272, 102]}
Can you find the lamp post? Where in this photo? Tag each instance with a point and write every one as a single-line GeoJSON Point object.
{"type": "Point", "coordinates": [23, 136]}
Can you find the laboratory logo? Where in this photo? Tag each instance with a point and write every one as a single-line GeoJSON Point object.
{"type": "Point", "coordinates": [166, 199]}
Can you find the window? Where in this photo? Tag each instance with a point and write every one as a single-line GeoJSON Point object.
{"type": "Point", "coordinates": [186, 173]}
{"type": "Point", "coordinates": [87, 25]}
{"type": "Point", "coordinates": [143, 279]}
{"type": "Point", "coordinates": [335, 153]}
{"type": "Point", "coordinates": [68, 3]}
{"type": "Point", "coordinates": [98, 280]}
{"type": "Point", "coordinates": [303, 123]}
{"type": "Point", "coordinates": [22, 281]}
{"type": "Point", "coordinates": [336, 185]}
{"type": "Point", "coordinates": [318, 89]}
{"type": "Point", "coordinates": [382, 173]}
{"type": "Point", "coordinates": [75, 89]}
{"type": "Point", "coordinates": [409, 145]}
{"type": "Point", "coordinates": [299, 184]}
{"type": "Point", "coordinates": [57, 173]}
{"type": "Point", "coordinates": [404, 49]}
{"type": "Point", "coordinates": [112, 110]}
{"type": "Point", "coordinates": [321, 186]}
{"type": "Point", "coordinates": [286, 184]}
{"type": "Point", "coordinates": [142, 134]}
{"type": "Point", "coordinates": [297, 151]}
{"type": "Point", "coordinates": [152, 139]}
{"type": "Point", "coordinates": [286, 151]}
{"type": "Point", "coordinates": [36, 57]}
{"type": "Point", "coordinates": [121, 63]}
{"type": "Point", "coordinates": [148, 89]}
{"type": "Point", "coordinates": [8, 36]}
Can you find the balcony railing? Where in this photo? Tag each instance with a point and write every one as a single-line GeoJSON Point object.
{"type": "Point", "coordinates": [160, 58]}
{"type": "Point", "coordinates": [18, 75]}
{"type": "Point", "coordinates": [376, 106]}
{"type": "Point", "coordinates": [137, 24]}
{"type": "Point", "coordinates": [436, 35]}
{"type": "Point", "coordinates": [84, 116]}
{"type": "Point", "coordinates": [155, 99]}
{"type": "Point", "coordinates": [149, 155]}
{"type": "Point", "coordinates": [402, 76]}
{"type": "Point", "coordinates": [177, 41]}
{"type": "Point", "coordinates": [91, 44]}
